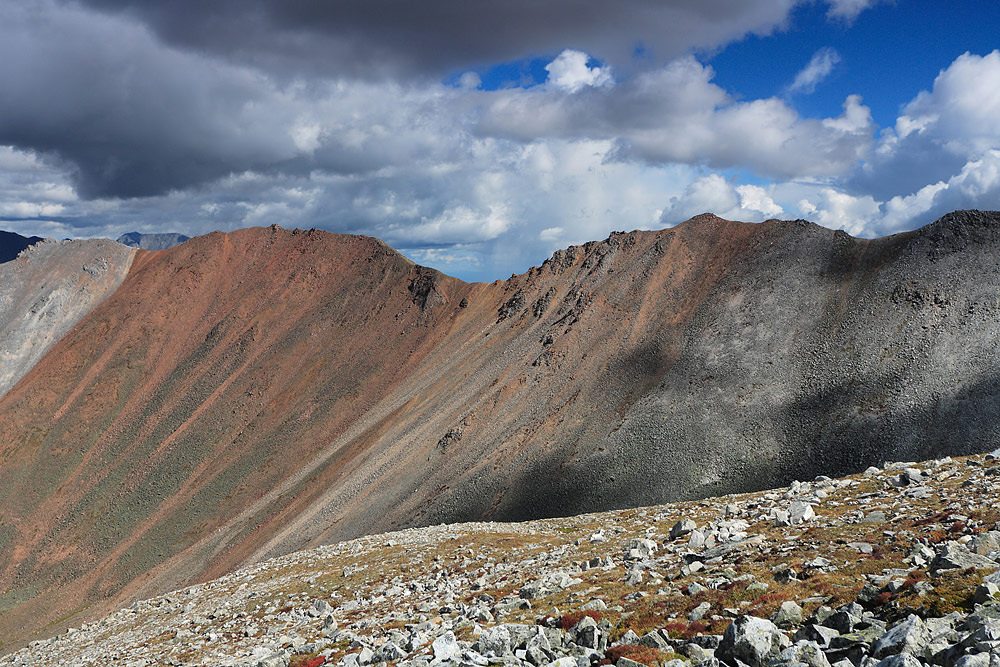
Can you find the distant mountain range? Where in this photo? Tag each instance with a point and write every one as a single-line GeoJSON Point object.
{"type": "Point", "coordinates": [152, 241]}
{"type": "Point", "coordinates": [12, 244]}
{"type": "Point", "coordinates": [248, 394]}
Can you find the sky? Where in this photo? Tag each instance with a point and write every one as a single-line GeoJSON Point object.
{"type": "Point", "coordinates": [479, 137]}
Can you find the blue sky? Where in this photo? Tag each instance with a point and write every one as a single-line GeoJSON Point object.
{"type": "Point", "coordinates": [889, 53]}
{"type": "Point", "coordinates": [479, 137]}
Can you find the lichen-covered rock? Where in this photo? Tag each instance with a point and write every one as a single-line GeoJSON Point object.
{"type": "Point", "coordinates": [754, 641]}
{"type": "Point", "coordinates": [910, 636]}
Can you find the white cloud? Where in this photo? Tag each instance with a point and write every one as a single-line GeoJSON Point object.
{"type": "Point", "coordinates": [570, 72]}
{"type": "Point", "coordinates": [708, 194]}
{"type": "Point", "coordinates": [307, 136]}
{"type": "Point", "coordinates": [848, 10]}
{"type": "Point", "coordinates": [25, 209]}
{"type": "Point", "coordinates": [486, 182]}
{"type": "Point", "coordinates": [460, 223]}
{"type": "Point", "coordinates": [977, 185]}
{"type": "Point", "coordinates": [452, 256]}
{"type": "Point", "coordinates": [675, 114]}
{"type": "Point", "coordinates": [963, 109]}
{"type": "Point", "coordinates": [470, 80]}
{"type": "Point", "coordinates": [937, 132]}
{"type": "Point", "coordinates": [754, 198]}
{"type": "Point", "coordinates": [550, 234]}
{"type": "Point", "coordinates": [899, 212]}
{"type": "Point", "coordinates": [820, 66]}
{"type": "Point", "coordinates": [839, 210]}
{"type": "Point", "coordinates": [714, 194]}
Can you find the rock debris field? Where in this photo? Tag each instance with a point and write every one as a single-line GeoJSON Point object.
{"type": "Point", "coordinates": [895, 567]}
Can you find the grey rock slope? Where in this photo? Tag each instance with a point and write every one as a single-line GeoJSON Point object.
{"type": "Point", "coordinates": [152, 241]}
{"type": "Point", "coordinates": [12, 244]}
{"type": "Point", "coordinates": [814, 353]}
{"type": "Point", "coordinates": [47, 290]}
{"type": "Point", "coordinates": [825, 354]}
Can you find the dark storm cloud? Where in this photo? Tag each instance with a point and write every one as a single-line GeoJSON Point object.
{"type": "Point", "coordinates": [129, 118]}
{"type": "Point", "coordinates": [140, 98]}
{"type": "Point", "coordinates": [388, 37]}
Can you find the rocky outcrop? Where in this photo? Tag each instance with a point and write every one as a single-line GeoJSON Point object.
{"type": "Point", "coordinates": [47, 290]}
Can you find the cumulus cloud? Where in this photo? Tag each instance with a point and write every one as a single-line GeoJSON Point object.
{"type": "Point", "coordinates": [676, 114]}
{"type": "Point", "coordinates": [839, 210]}
{"type": "Point", "coordinates": [962, 111]}
{"type": "Point", "coordinates": [714, 194]}
{"type": "Point", "coordinates": [939, 131]}
{"type": "Point", "coordinates": [571, 71]}
{"type": "Point", "coordinates": [977, 185]}
{"type": "Point", "coordinates": [756, 199]}
{"type": "Point", "coordinates": [184, 117]}
{"type": "Point", "coordinates": [820, 66]}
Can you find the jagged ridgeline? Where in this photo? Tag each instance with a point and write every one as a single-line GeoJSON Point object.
{"type": "Point", "coordinates": [245, 395]}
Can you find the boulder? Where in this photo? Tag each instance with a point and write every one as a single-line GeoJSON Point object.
{"type": "Point", "coordinates": [389, 652]}
{"type": "Point", "coordinates": [654, 640]}
{"type": "Point", "coordinates": [910, 636]}
{"type": "Point", "coordinates": [625, 662]}
{"type": "Point", "coordinates": [800, 512]}
{"type": "Point", "coordinates": [640, 548]}
{"type": "Point", "coordinates": [682, 528]}
{"type": "Point", "coordinates": [279, 659]}
{"type": "Point", "coordinates": [586, 633]}
{"type": "Point", "coordinates": [820, 634]}
{"type": "Point", "coordinates": [806, 652]}
{"type": "Point", "coordinates": [751, 640]}
{"type": "Point", "coordinates": [954, 555]}
{"type": "Point", "coordinates": [986, 543]}
{"type": "Point", "coordinates": [699, 612]}
{"type": "Point", "coordinates": [974, 660]}
{"type": "Point", "coordinates": [902, 660]}
{"type": "Point", "coordinates": [563, 662]}
{"type": "Point", "coordinates": [446, 648]}
{"type": "Point", "coordinates": [788, 615]}
{"type": "Point", "coordinates": [985, 592]}
{"type": "Point", "coordinates": [495, 642]}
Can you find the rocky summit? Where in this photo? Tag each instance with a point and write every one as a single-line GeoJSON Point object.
{"type": "Point", "coordinates": [894, 567]}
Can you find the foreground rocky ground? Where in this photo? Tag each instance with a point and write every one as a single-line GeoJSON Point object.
{"type": "Point", "coordinates": [894, 567]}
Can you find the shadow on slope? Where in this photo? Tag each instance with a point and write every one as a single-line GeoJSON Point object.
{"type": "Point", "coordinates": [838, 430]}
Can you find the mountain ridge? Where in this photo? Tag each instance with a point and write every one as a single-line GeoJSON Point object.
{"type": "Point", "coordinates": [151, 241]}
{"type": "Point", "coordinates": [282, 389]}
{"type": "Point", "coordinates": [11, 244]}
{"type": "Point", "coordinates": [49, 287]}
